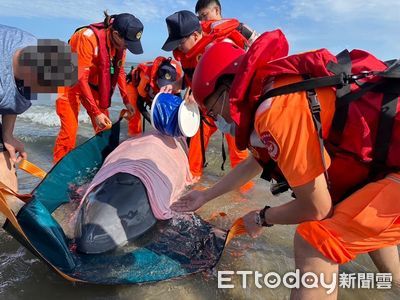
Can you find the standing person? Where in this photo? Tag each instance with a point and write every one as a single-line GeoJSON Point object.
{"type": "Point", "coordinates": [188, 39]}
{"type": "Point", "coordinates": [211, 10]}
{"type": "Point", "coordinates": [208, 10]}
{"type": "Point", "coordinates": [145, 81]}
{"type": "Point", "coordinates": [101, 50]}
{"type": "Point", "coordinates": [292, 127]}
{"type": "Point", "coordinates": [27, 66]}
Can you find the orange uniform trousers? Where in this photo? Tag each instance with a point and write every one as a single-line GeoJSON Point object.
{"type": "Point", "coordinates": [135, 121]}
{"type": "Point", "coordinates": [195, 154]}
{"type": "Point", "coordinates": [67, 108]}
{"type": "Point", "coordinates": [366, 221]}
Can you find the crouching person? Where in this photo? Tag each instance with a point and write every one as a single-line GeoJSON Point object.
{"type": "Point", "coordinates": [28, 66]}
{"type": "Point", "coordinates": [145, 81]}
{"type": "Point", "coordinates": [345, 204]}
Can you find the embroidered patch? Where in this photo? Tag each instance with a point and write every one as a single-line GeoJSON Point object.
{"type": "Point", "coordinates": [271, 145]}
{"type": "Point", "coordinates": [138, 35]}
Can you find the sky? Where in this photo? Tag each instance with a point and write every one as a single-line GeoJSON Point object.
{"type": "Point", "coordinates": [371, 25]}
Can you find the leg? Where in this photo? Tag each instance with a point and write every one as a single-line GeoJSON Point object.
{"type": "Point", "coordinates": [367, 221]}
{"type": "Point", "coordinates": [67, 107]}
{"type": "Point", "coordinates": [135, 122]}
{"type": "Point", "coordinates": [8, 177]}
{"type": "Point", "coordinates": [387, 261]}
{"type": "Point", "coordinates": [195, 155]}
{"type": "Point", "coordinates": [307, 259]}
{"type": "Point", "coordinates": [236, 156]}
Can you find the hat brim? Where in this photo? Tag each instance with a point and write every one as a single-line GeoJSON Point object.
{"type": "Point", "coordinates": [163, 82]}
{"type": "Point", "coordinates": [134, 47]}
{"type": "Point", "coordinates": [171, 43]}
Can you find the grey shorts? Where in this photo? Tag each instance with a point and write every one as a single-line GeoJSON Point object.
{"type": "Point", "coordinates": [2, 148]}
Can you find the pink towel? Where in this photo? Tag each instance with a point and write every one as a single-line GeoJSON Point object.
{"type": "Point", "coordinates": [159, 161]}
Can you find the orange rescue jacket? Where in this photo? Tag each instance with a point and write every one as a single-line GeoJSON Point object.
{"type": "Point", "coordinates": [213, 31]}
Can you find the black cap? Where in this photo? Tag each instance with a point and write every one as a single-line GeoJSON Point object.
{"type": "Point", "coordinates": [180, 25]}
{"type": "Point", "coordinates": [166, 74]}
{"type": "Point", "coordinates": [131, 29]}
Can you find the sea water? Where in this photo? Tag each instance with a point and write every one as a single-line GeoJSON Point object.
{"type": "Point", "coordinates": [23, 276]}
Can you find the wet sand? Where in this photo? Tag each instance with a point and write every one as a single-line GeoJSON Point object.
{"type": "Point", "coordinates": [23, 276]}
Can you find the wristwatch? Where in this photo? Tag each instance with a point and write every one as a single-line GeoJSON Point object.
{"type": "Point", "coordinates": [260, 217]}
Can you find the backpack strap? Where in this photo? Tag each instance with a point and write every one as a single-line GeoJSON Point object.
{"type": "Point", "coordinates": [223, 152]}
{"type": "Point", "coordinates": [315, 109]}
{"type": "Point", "coordinates": [309, 85]}
{"type": "Point", "coordinates": [202, 145]}
{"type": "Point", "coordinates": [393, 70]}
{"type": "Point", "coordinates": [386, 120]}
{"type": "Point", "coordinates": [387, 84]}
{"type": "Point", "coordinates": [343, 65]}
{"type": "Point", "coordinates": [245, 31]}
{"type": "Point", "coordinates": [390, 88]}
{"type": "Point", "coordinates": [203, 120]}
{"type": "Point", "coordinates": [339, 80]}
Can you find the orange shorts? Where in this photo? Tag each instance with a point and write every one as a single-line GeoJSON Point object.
{"type": "Point", "coordinates": [365, 221]}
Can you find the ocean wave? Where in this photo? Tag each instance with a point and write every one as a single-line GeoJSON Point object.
{"type": "Point", "coordinates": [47, 116]}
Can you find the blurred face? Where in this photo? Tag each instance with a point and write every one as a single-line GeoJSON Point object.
{"type": "Point", "coordinates": [209, 13]}
{"type": "Point", "coordinates": [29, 77]}
{"type": "Point", "coordinates": [43, 69]}
{"type": "Point", "coordinates": [188, 42]}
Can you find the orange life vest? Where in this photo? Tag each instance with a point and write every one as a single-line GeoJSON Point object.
{"type": "Point", "coordinates": [213, 31]}
{"type": "Point", "coordinates": [144, 76]}
{"type": "Point", "coordinates": [108, 68]}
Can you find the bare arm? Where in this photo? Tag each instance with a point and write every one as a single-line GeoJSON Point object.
{"type": "Point", "coordinates": [238, 176]}
{"type": "Point", "coordinates": [8, 125]}
{"type": "Point", "coordinates": [12, 145]}
{"type": "Point", "coordinates": [313, 202]}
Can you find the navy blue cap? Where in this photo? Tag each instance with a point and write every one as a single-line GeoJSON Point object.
{"type": "Point", "coordinates": [166, 74]}
{"type": "Point", "coordinates": [180, 25]}
{"type": "Point", "coordinates": [131, 29]}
